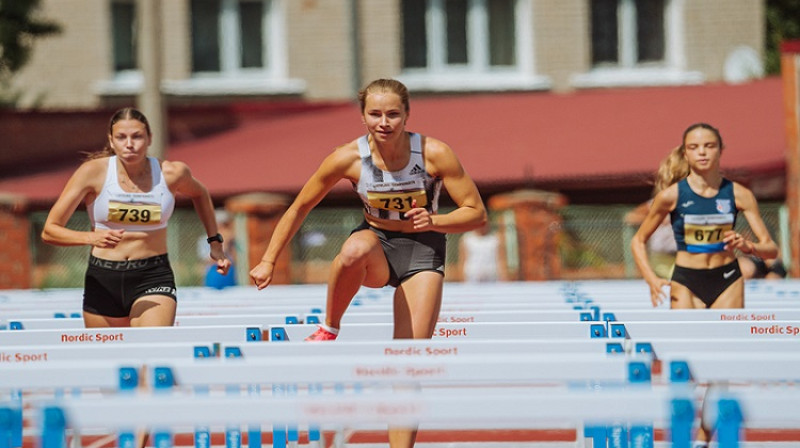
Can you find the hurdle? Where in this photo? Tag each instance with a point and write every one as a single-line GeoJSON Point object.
{"type": "Point", "coordinates": [255, 319]}
{"type": "Point", "coordinates": [447, 330]}
{"type": "Point", "coordinates": [100, 336]}
{"type": "Point", "coordinates": [704, 329]}
{"type": "Point", "coordinates": [481, 408]}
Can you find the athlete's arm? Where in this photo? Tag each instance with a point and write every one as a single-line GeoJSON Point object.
{"type": "Point", "coordinates": [662, 204]}
{"type": "Point", "coordinates": [181, 181]}
{"type": "Point", "coordinates": [85, 182]}
{"type": "Point", "coordinates": [441, 162]}
{"type": "Point", "coordinates": [765, 247]}
{"type": "Point", "coordinates": [342, 163]}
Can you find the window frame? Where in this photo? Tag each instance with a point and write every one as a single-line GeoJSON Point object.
{"type": "Point", "coordinates": [477, 73]}
{"type": "Point", "coordinates": [270, 79]}
{"type": "Point", "coordinates": [628, 72]}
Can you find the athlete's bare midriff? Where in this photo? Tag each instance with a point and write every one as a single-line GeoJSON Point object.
{"type": "Point", "coordinates": [703, 261]}
{"type": "Point", "coordinates": [391, 225]}
{"type": "Point", "coordinates": [135, 246]}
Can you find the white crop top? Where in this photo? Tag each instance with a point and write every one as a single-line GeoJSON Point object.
{"type": "Point", "coordinates": [389, 194]}
{"type": "Point", "coordinates": [115, 208]}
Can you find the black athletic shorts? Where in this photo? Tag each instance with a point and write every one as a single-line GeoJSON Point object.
{"type": "Point", "coordinates": [111, 287]}
{"type": "Point", "coordinates": [708, 284]}
{"type": "Point", "coordinates": [410, 253]}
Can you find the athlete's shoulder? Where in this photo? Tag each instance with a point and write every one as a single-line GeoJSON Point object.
{"type": "Point", "coordinates": [93, 168]}
{"type": "Point", "coordinates": [173, 167]}
{"type": "Point", "coordinates": [667, 198]}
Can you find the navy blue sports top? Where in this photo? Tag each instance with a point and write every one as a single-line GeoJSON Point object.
{"type": "Point", "coordinates": [699, 223]}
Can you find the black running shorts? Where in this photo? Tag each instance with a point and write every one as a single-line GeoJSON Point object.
{"type": "Point", "coordinates": [410, 253]}
{"type": "Point", "coordinates": [111, 287]}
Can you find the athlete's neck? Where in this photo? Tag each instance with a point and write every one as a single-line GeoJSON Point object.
{"type": "Point", "coordinates": [705, 184]}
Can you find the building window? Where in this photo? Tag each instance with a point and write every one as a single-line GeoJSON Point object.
{"type": "Point", "coordinates": [439, 35]}
{"type": "Point", "coordinates": [636, 43]}
{"type": "Point", "coordinates": [123, 37]}
{"type": "Point", "coordinates": [230, 36]}
{"type": "Point", "coordinates": [627, 33]}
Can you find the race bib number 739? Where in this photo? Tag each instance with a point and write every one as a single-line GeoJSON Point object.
{"type": "Point", "coordinates": [134, 213]}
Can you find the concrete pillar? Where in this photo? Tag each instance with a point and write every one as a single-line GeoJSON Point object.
{"type": "Point", "coordinates": [15, 250]}
{"type": "Point", "coordinates": [256, 215]}
{"type": "Point", "coordinates": [790, 72]}
{"type": "Point", "coordinates": [537, 231]}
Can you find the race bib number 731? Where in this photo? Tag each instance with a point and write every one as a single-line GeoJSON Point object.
{"type": "Point", "coordinates": [397, 201]}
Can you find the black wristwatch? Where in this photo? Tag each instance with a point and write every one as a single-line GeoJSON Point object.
{"type": "Point", "coordinates": [216, 237]}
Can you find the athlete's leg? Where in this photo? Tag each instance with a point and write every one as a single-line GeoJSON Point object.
{"type": "Point", "coordinates": [92, 320]}
{"type": "Point", "coordinates": [416, 305]}
{"type": "Point", "coordinates": [360, 261]}
{"type": "Point", "coordinates": [153, 311]}
{"type": "Point", "coordinates": [416, 310]}
{"type": "Point", "coordinates": [732, 297]}
{"type": "Point", "coordinates": [682, 297]}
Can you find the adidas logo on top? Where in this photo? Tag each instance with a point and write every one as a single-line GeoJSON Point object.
{"type": "Point", "coordinates": [416, 170]}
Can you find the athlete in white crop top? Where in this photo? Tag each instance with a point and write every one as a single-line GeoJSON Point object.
{"type": "Point", "coordinates": [402, 241]}
{"type": "Point", "coordinates": [115, 208]}
{"type": "Point", "coordinates": [129, 197]}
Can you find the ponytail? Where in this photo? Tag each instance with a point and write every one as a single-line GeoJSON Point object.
{"type": "Point", "coordinates": [672, 169]}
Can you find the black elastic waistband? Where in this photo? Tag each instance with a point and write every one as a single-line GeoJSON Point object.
{"type": "Point", "coordinates": [128, 265]}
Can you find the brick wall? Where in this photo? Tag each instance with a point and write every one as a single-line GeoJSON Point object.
{"type": "Point", "coordinates": [15, 255]}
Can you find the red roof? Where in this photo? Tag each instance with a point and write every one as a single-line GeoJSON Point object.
{"type": "Point", "coordinates": [508, 138]}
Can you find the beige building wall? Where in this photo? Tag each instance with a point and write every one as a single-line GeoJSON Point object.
{"type": "Point", "coordinates": [715, 28]}
{"type": "Point", "coordinates": [381, 39]}
{"type": "Point", "coordinates": [176, 39]}
{"type": "Point", "coordinates": [320, 39]}
{"type": "Point", "coordinates": [63, 67]}
{"type": "Point", "coordinates": [65, 70]}
{"type": "Point", "coordinates": [561, 39]}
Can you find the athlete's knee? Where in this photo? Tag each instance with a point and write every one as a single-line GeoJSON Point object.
{"type": "Point", "coordinates": [354, 252]}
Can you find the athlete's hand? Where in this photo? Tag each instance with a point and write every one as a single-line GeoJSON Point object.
{"type": "Point", "coordinates": [262, 274]}
{"type": "Point", "coordinates": [657, 294]}
{"type": "Point", "coordinates": [218, 255]}
{"type": "Point", "coordinates": [105, 238]}
{"type": "Point", "coordinates": [420, 217]}
{"type": "Point", "coordinates": [735, 240]}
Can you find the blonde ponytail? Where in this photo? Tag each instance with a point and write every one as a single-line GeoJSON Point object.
{"type": "Point", "coordinates": [672, 169]}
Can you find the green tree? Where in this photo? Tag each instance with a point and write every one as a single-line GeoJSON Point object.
{"type": "Point", "coordinates": [783, 23]}
{"type": "Point", "coordinates": [19, 28]}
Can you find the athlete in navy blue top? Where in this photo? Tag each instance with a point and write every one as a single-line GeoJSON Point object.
{"type": "Point", "coordinates": [703, 207]}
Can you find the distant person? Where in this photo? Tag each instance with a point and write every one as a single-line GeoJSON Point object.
{"type": "Point", "coordinates": [757, 267]}
{"type": "Point", "coordinates": [398, 175]}
{"type": "Point", "coordinates": [661, 247]}
{"type": "Point", "coordinates": [129, 197]}
{"type": "Point", "coordinates": [212, 278]}
{"type": "Point", "coordinates": [703, 206]}
{"type": "Point", "coordinates": [479, 255]}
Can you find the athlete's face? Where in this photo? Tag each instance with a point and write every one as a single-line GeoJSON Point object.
{"type": "Point", "coordinates": [701, 149]}
{"type": "Point", "coordinates": [129, 139]}
{"type": "Point", "coordinates": [384, 115]}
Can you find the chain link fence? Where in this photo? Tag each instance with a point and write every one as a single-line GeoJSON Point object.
{"type": "Point", "coordinates": [594, 245]}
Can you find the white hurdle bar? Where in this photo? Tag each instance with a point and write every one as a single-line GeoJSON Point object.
{"type": "Point", "coordinates": [478, 409]}
{"type": "Point", "coordinates": [481, 408]}
{"type": "Point", "coordinates": [101, 336]}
